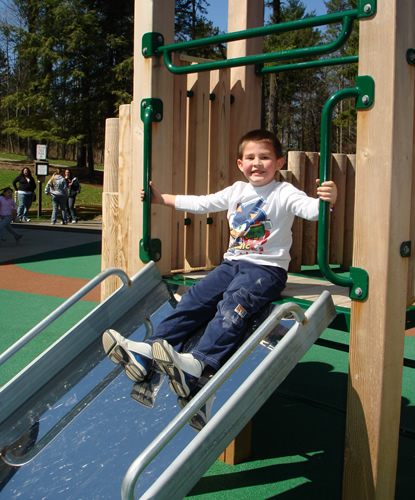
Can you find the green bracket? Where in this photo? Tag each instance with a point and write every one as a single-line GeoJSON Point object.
{"type": "Point", "coordinates": [150, 44]}
{"type": "Point", "coordinates": [154, 107]}
{"type": "Point", "coordinates": [366, 88]}
{"type": "Point", "coordinates": [151, 111]}
{"type": "Point", "coordinates": [410, 56]}
{"type": "Point", "coordinates": [153, 252]}
{"type": "Point", "coordinates": [366, 8]}
{"type": "Point", "coordinates": [360, 280]}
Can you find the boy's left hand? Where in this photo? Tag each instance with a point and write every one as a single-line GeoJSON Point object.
{"type": "Point", "coordinates": [327, 191]}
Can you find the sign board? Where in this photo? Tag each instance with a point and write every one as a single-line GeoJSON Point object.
{"type": "Point", "coordinates": [41, 150]}
{"type": "Point", "coordinates": [42, 168]}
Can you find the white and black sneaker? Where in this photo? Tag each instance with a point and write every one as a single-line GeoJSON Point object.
{"type": "Point", "coordinates": [136, 364]}
{"type": "Point", "coordinates": [182, 368]}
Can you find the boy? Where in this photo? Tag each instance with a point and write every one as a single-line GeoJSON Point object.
{"type": "Point", "coordinates": [253, 273]}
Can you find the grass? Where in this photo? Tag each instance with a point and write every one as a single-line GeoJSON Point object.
{"type": "Point", "coordinates": [88, 203]}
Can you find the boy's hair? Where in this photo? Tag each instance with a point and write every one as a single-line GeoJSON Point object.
{"type": "Point", "coordinates": [259, 136]}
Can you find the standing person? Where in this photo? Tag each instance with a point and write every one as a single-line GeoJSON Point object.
{"type": "Point", "coordinates": [74, 188]}
{"type": "Point", "coordinates": [8, 211]}
{"type": "Point", "coordinates": [58, 189]}
{"type": "Point", "coordinates": [253, 273]}
{"type": "Point", "coordinates": [25, 193]}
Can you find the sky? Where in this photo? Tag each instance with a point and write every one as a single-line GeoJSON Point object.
{"type": "Point", "coordinates": [218, 11]}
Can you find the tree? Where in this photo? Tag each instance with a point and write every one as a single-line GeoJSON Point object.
{"type": "Point", "coordinates": [344, 122]}
{"type": "Point", "coordinates": [191, 24]}
{"type": "Point", "coordinates": [293, 99]}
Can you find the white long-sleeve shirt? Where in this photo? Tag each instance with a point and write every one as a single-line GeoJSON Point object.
{"type": "Point", "coordinates": [260, 218]}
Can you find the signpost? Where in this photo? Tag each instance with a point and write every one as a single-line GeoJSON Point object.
{"type": "Point", "coordinates": [42, 170]}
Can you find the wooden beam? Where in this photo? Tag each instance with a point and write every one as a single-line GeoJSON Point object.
{"type": "Point", "coordinates": [152, 80]}
{"type": "Point", "coordinates": [246, 87]}
{"type": "Point", "coordinates": [384, 174]}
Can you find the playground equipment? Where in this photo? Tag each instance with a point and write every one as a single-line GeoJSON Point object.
{"type": "Point", "coordinates": [67, 421]}
{"type": "Point", "coordinates": [384, 222]}
{"type": "Point", "coordinates": [384, 229]}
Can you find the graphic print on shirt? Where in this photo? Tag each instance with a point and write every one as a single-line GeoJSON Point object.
{"type": "Point", "coordinates": [249, 228]}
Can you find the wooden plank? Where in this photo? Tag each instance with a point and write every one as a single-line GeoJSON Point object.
{"type": "Point", "coordinates": [384, 174]}
{"type": "Point", "coordinates": [110, 206]}
{"type": "Point", "coordinates": [197, 167]}
{"type": "Point", "coordinates": [309, 255]}
{"type": "Point", "coordinates": [111, 155]}
{"type": "Point", "coordinates": [218, 231]}
{"type": "Point", "coordinates": [349, 211]}
{"type": "Point", "coordinates": [152, 80]}
{"type": "Point", "coordinates": [239, 451]}
{"type": "Point", "coordinates": [110, 250]}
{"type": "Point", "coordinates": [296, 165]}
{"type": "Point", "coordinates": [338, 175]}
{"type": "Point", "coordinates": [125, 201]}
{"type": "Point", "coordinates": [246, 87]}
{"type": "Point", "coordinates": [179, 167]}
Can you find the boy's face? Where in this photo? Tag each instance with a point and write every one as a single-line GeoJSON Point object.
{"type": "Point", "coordinates": [259, 163]}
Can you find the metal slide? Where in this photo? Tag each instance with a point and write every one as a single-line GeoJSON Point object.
{"type": "Point", "coordinates": [72, 424]}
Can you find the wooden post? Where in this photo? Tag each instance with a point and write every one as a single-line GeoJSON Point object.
{"type": "Point", "coordinates": [245, 85]}
{"type": "Point", "coordinates": [296, 165]}
{"type": "Point", "coordinates": [338, 175]}
{"type": "Point", "coordinates": [197, 166]}
{"type": "Point", "coordinates": [151, 80]}
{"type": "Point", "coordinates": [384, 176]}
{"type": "Point", "coordinates": [110, 208]}
{"type": "Point", "coordinates": [309, 257]}
{"type": "Point", "coordinates": [218, 231]}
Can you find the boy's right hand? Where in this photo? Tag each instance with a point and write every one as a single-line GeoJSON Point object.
{"type": "Point", "coordinates": [158, 197]}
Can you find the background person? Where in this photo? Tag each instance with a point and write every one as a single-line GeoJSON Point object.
{"type": "Point", "coordinates": [8, 211]}
{"type": "Point", "coordinates": [58, 189]}
{"type": "Point", "coordinates": [74, 188]}
{"type": "Point", "coordinates": [25, 193]}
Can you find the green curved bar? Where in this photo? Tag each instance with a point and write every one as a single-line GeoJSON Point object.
{"type": "Point", "coordinates": [336, 61]}
{"type": "Point", "coordinates": [145, 242]}
{"type": "Point", "coordinates": [325, 159]}
{"type": "Point", "coordinates": [346, 18]}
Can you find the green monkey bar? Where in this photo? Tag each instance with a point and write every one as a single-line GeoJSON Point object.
{"type": "Point", "coordinates": [152, 45]}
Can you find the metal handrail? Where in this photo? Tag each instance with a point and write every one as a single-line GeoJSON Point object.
{"type": "Point", "coordinates": [346, 17]}
{"type": "Point", "coordinates": [141, 462]}
{"type": "Point", "coordinates": [63, 308]}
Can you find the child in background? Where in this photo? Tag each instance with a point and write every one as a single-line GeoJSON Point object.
{"type": "Point", "coordinates": [8, 211]}
{"type": "Point", "coordinates": [253, 273]}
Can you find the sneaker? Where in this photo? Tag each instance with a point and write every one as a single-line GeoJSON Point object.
{"type": "Point", "coordinates": [18, 238]}
{"type": "Point", "coordinates": [202, 416]}
{"type": "Point", "coordinates": [182, 368]}
{"type": "Point", "coordinates": [74, 222]}
{"type": "Point", "coordinates": [136, 365]}
{"type": "Point", "coordinates": [53, 223]}
{"type": "Point", "coordinates": [25, 219]}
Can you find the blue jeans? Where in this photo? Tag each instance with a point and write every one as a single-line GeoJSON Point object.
{"type": "Point", "coordinates": [25, 202]}
{"type": "Point", "coordinates": [70, 209]}
{"type": "Point", "coordinates": [6, 224]}
{"type": "Point", "coordinates": [58, 202]}
{"type": "Point", "coordinates": [227, 297]}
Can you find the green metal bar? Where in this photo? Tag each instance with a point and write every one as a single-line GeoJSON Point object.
{"type": "Point", "coordinates": [336, 61]}
{"type": "Point", "coordinates": [358, 279]}
{"type": "Point", "coordinates": [346, 18]}
{"type": "Point", "coordinates": [151, 110]}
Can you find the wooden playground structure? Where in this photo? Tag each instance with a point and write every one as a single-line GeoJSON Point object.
{"type": "Point", "coordinates": [193, 150]}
